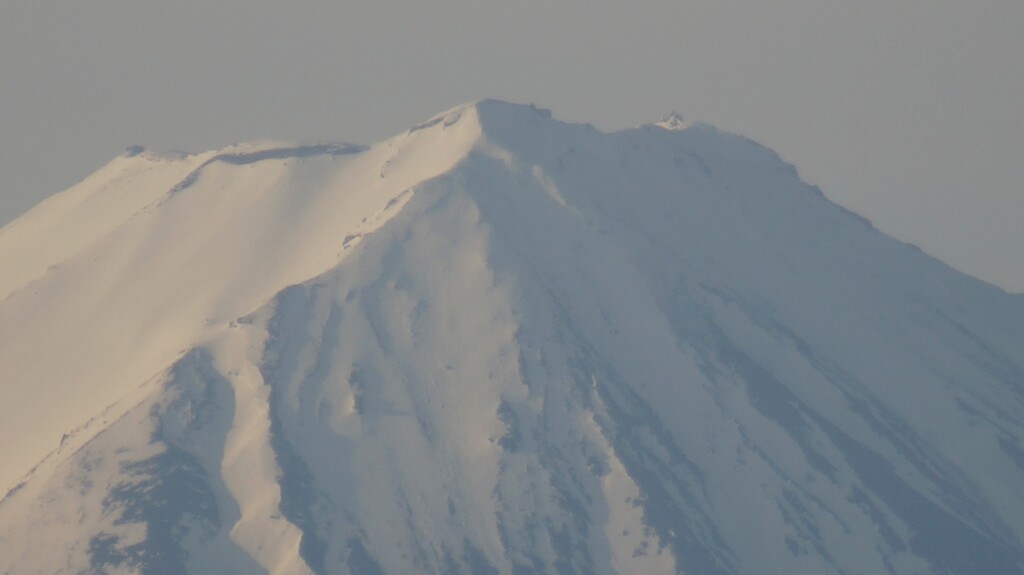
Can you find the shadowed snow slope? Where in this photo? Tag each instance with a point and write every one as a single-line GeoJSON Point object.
{"type": "Point", "coordinates": [497, 343]}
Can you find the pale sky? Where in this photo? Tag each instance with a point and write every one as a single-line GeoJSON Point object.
{"type": "Point", "coordinates": [908, 112]}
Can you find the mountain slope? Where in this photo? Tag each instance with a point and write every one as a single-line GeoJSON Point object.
{"type": "Point", "coordinates": [497, 344]}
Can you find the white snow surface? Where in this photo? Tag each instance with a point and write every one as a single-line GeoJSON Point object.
{"type": "Point", "coordinates": [496, 343]}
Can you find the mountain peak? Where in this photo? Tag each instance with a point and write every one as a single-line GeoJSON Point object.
{"type": "Point", "coordinates": [493, 110]}
{"type": "Point", "coordinates": [673, 121]}
{"type": "Point", "coordinates": [490, 115]}
{"type": "Point", "coordinates": [497, 343]}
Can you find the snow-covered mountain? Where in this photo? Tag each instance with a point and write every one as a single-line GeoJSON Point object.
{"type": "Point", "coordinates": [497, 343]}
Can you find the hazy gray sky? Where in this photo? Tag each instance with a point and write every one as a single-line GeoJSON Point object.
{"type": "Point", "coordinates": [906, 111]}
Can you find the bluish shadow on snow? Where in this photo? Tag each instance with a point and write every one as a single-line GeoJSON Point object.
{"type": "Point", "coordinates": [948, 543]}
{"type": "Point", "coordinates": [243, 158]}
{"type": "Point", "coordinates": [299, 495]}
{"type": "Point", "coordinates": [173, 493]}
{"type": "Point", "coordinates": [170, 495]}
{"type": "Point", "coordinates": [671, 483]}
{"type": "Point", "coordinates": [360, 562]}
{"type": "Point", "coordinates": [1013, 450]}
{"type": "Point", "coordinates": [672, 501]}
{"type": "Point", "coordinates": [945, 540]}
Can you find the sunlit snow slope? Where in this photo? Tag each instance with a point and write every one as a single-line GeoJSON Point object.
{"type": "Point", "coordinates": [496, 343]}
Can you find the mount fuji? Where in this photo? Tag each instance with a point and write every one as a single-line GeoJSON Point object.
{"type": "Point", "coordinates": [496, 343]}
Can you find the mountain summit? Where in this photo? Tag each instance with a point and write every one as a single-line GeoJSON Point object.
{"type": "Point", "coordinates": [496, 343]}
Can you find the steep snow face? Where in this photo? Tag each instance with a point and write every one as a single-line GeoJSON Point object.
{"type": "Point", "coordinates": [497, 344]}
